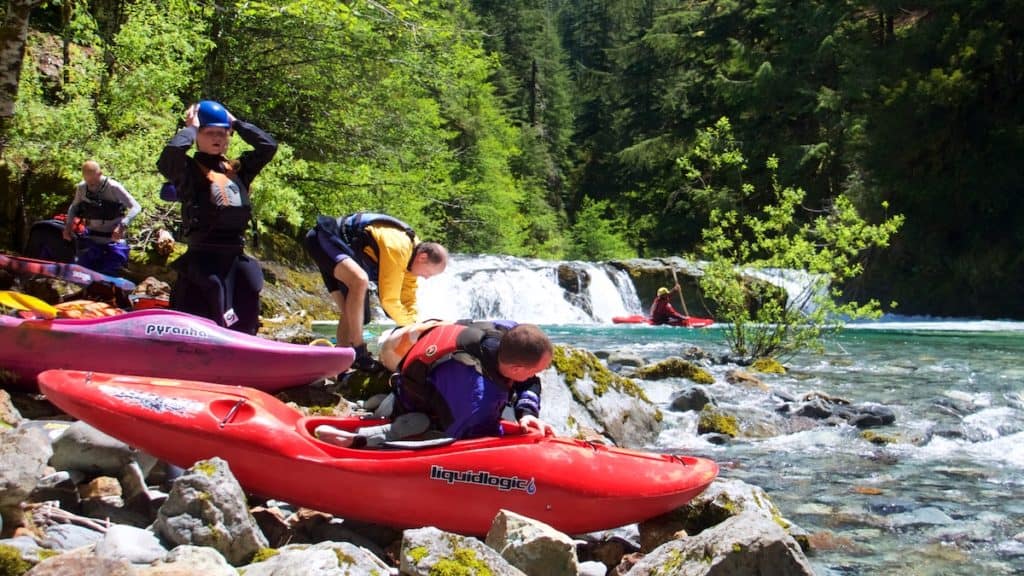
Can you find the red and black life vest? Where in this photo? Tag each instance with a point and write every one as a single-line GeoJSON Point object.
{"type": "Point", "coordinates": [473, 344]}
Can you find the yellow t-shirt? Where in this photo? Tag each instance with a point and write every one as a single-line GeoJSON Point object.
{"type": "Point", "coordinates": [396, 285]}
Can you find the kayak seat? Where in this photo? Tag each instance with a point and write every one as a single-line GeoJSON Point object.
{"type": "Point", "coordinates": [375, 434]}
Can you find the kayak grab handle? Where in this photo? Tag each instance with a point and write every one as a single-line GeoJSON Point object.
{"type": "Point", "coordinates": [231, 413]}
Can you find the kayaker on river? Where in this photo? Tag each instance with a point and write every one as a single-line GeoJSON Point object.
{"type": "Point", "coordinates": [352, 250]}
{"type": "Point", "coordinates": [662, 311]}
{"type": "Point", "coordinates": [462, 376]}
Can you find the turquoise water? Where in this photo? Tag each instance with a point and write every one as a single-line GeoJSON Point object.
{"type": "Point", "coordinates": [947, 497]}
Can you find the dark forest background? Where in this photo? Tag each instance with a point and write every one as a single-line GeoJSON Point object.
{"type": "Point", "coordinates": [555, 129]}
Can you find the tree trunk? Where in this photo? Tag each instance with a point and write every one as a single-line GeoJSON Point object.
{"type": "Point", "coordinates": [13, 36]}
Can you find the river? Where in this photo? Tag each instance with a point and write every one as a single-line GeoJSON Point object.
{"type": "Point", "coordinates": [946, 496]}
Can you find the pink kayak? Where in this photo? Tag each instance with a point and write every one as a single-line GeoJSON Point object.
{"type": "Point", "coordinates": [160, 343]}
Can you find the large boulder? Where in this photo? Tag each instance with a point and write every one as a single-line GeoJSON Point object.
{"type": "Point", "coordinates": [532, 546]}
{"type": "Point", "coordinates": [429, 551]}
{"type": "Point", "coordinates": [323, 559]}
{"type": "Point", "coordinates": [84, 448]}
{"type": "Point", "coordinates": [24, 452]}
{"type": "Point", "coordinates": [207, 507]}
{"type": "Point", "coordinates": [744, 544]}
{"type": "Point", "coordinates": [616, 404]}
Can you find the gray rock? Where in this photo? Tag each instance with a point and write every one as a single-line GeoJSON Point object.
{"type": "Point", "coordinates": [744, 544]}
{"type": "Point", "coordinates": [323, 559]}
{"type": "Point", "coordinates": [532, 546]}
{"type": "Point", "coordinates": [24, 452]}
{"type": "Point", "coordinates": [75, 564]}
{"type": "Point", "coordinates": [427, 551]}
{"type": "Point", "coordinates": [616, 405]}
{"type": "Point", "coordinates": [927, 516]}
{"type": "Point", "coordinates": [84, 448]}
{"type": "Point", "coordinates": [720, 501]}
{"type": "Point", "coordinates": [625, 359]}
{"type": "Point", "coordinates": [64, 537]}
{"type": "Point", "coordinates": [207, 507]}
{"type": "Point", "coordinates": [129, 543]}
{"type": "Point", "coordinates": [9, 415]}
{"type": "Point", "coordinates": [693, 398]}
{"type": "Point", "coordinates": [188, 561]}
{"type": "Point", "coordinates": [26, 546]}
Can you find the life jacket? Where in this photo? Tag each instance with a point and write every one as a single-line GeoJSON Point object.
{"type": "Point", "coordinates": [94, 207]}
{"type": "Point", "coordinates": [221, 214]}
{"type": "Point", "coordinates": [460, 342]}
{"type": "Point", "coordinates": [352, 230]}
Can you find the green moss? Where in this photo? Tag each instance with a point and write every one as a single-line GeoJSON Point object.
{"type": "Point", "coordinates": [575, 364]}
{"type": "Point", "coordinates": [464, 562]}
{"type": "Point", "coordinates": [343, 558]}
{"type": "Point", "coordinates": [418, 553]}
{"type": "Point", "coordinates": [44, 553]}
{"type": "Point", "coordinates": [675, 368]}
{"type": "Point", "coordinates": [320, 411]}
{"type": "Point", "coordinates": [264, 554]}
{"type": "Point", "coordinates": [737, 547]}
{"type": "Point", "coordinates": [768, 366]}
{"type": "Point", "coordinates": [673, 564]}
{"type": "Point", "coordinates": [11, 562]}
{"type": "Point", "coordinates": [714, 420]}
{"type": "Point", "coordinates": [5, 424]}
{"type": "Point", "coordinates": [205, 467]}
{"type": "Point", "coordinates": [876, 438]}
{"type": "Point", "coordinates": [361, 385]}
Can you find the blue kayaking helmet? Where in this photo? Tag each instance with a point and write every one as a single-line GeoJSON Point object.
{"type": "Point", "coordinates": [213, 114]}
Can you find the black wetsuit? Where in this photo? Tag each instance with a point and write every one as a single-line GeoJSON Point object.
{"type": "Point", "coordinates": [216, 279]}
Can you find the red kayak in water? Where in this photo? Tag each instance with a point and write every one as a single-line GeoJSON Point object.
{"type": "Point", "coordinates": [573, 485]}
{"type": "Point", "coordinates": [690, 322]}
{"type": "Point", "coordinates": [162, 343]}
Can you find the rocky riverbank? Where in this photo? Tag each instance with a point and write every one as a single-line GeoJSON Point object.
{"type": "Point", "coordinates": [77, 501]}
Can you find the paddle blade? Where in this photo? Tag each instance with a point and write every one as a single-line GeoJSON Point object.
{"type": "Point", "coordinates": [19, 301]}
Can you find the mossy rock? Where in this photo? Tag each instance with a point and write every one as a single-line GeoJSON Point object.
{"type": "Point", "coordinates": [574, 364]}
{"type": "Point", "coordinates": [713, 420]}
{"type": "Point", "coordinates": [768, 366]}
{"type": "Point", "coordinates": [463, 562]}
{"type": "Point", "coordinates": [11, 562]}
{"type": "Point", "coordinates": [675, 368]}
{"type": "Point", "coordinates": [877, 438]}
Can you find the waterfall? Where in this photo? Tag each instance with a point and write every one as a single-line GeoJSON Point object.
{"type": "Point", "coordinates": [568, 292]}
{"type": "Point", "coordinates": [528, 290]}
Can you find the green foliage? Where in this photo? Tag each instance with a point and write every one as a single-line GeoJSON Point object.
{"type": "Point", "coordinates": [115, 103]}
{"type": "Point", "coordinates": [748, 249]}
{"type": "Point", "coordinates": [596, 235]}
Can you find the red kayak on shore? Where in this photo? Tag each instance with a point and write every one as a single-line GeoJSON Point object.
{"type": "Point", "coordinates": [690, 322]}
{"type": "Point", "coordinates": [161, 343]}
{"type": "Point", "coordinates": [573, 485]}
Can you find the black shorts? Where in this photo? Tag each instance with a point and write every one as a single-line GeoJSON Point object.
{"type": "Point", "coordinates": [326, 252]}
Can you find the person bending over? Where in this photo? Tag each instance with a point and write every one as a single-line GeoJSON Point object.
{"type": "Point", "coordinates": [352, 250]}
{"type": "Point", "coordinates": [462, 376]}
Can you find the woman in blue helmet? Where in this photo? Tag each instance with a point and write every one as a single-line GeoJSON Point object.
{"type": "Point", "coordinates": [216, 279]}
